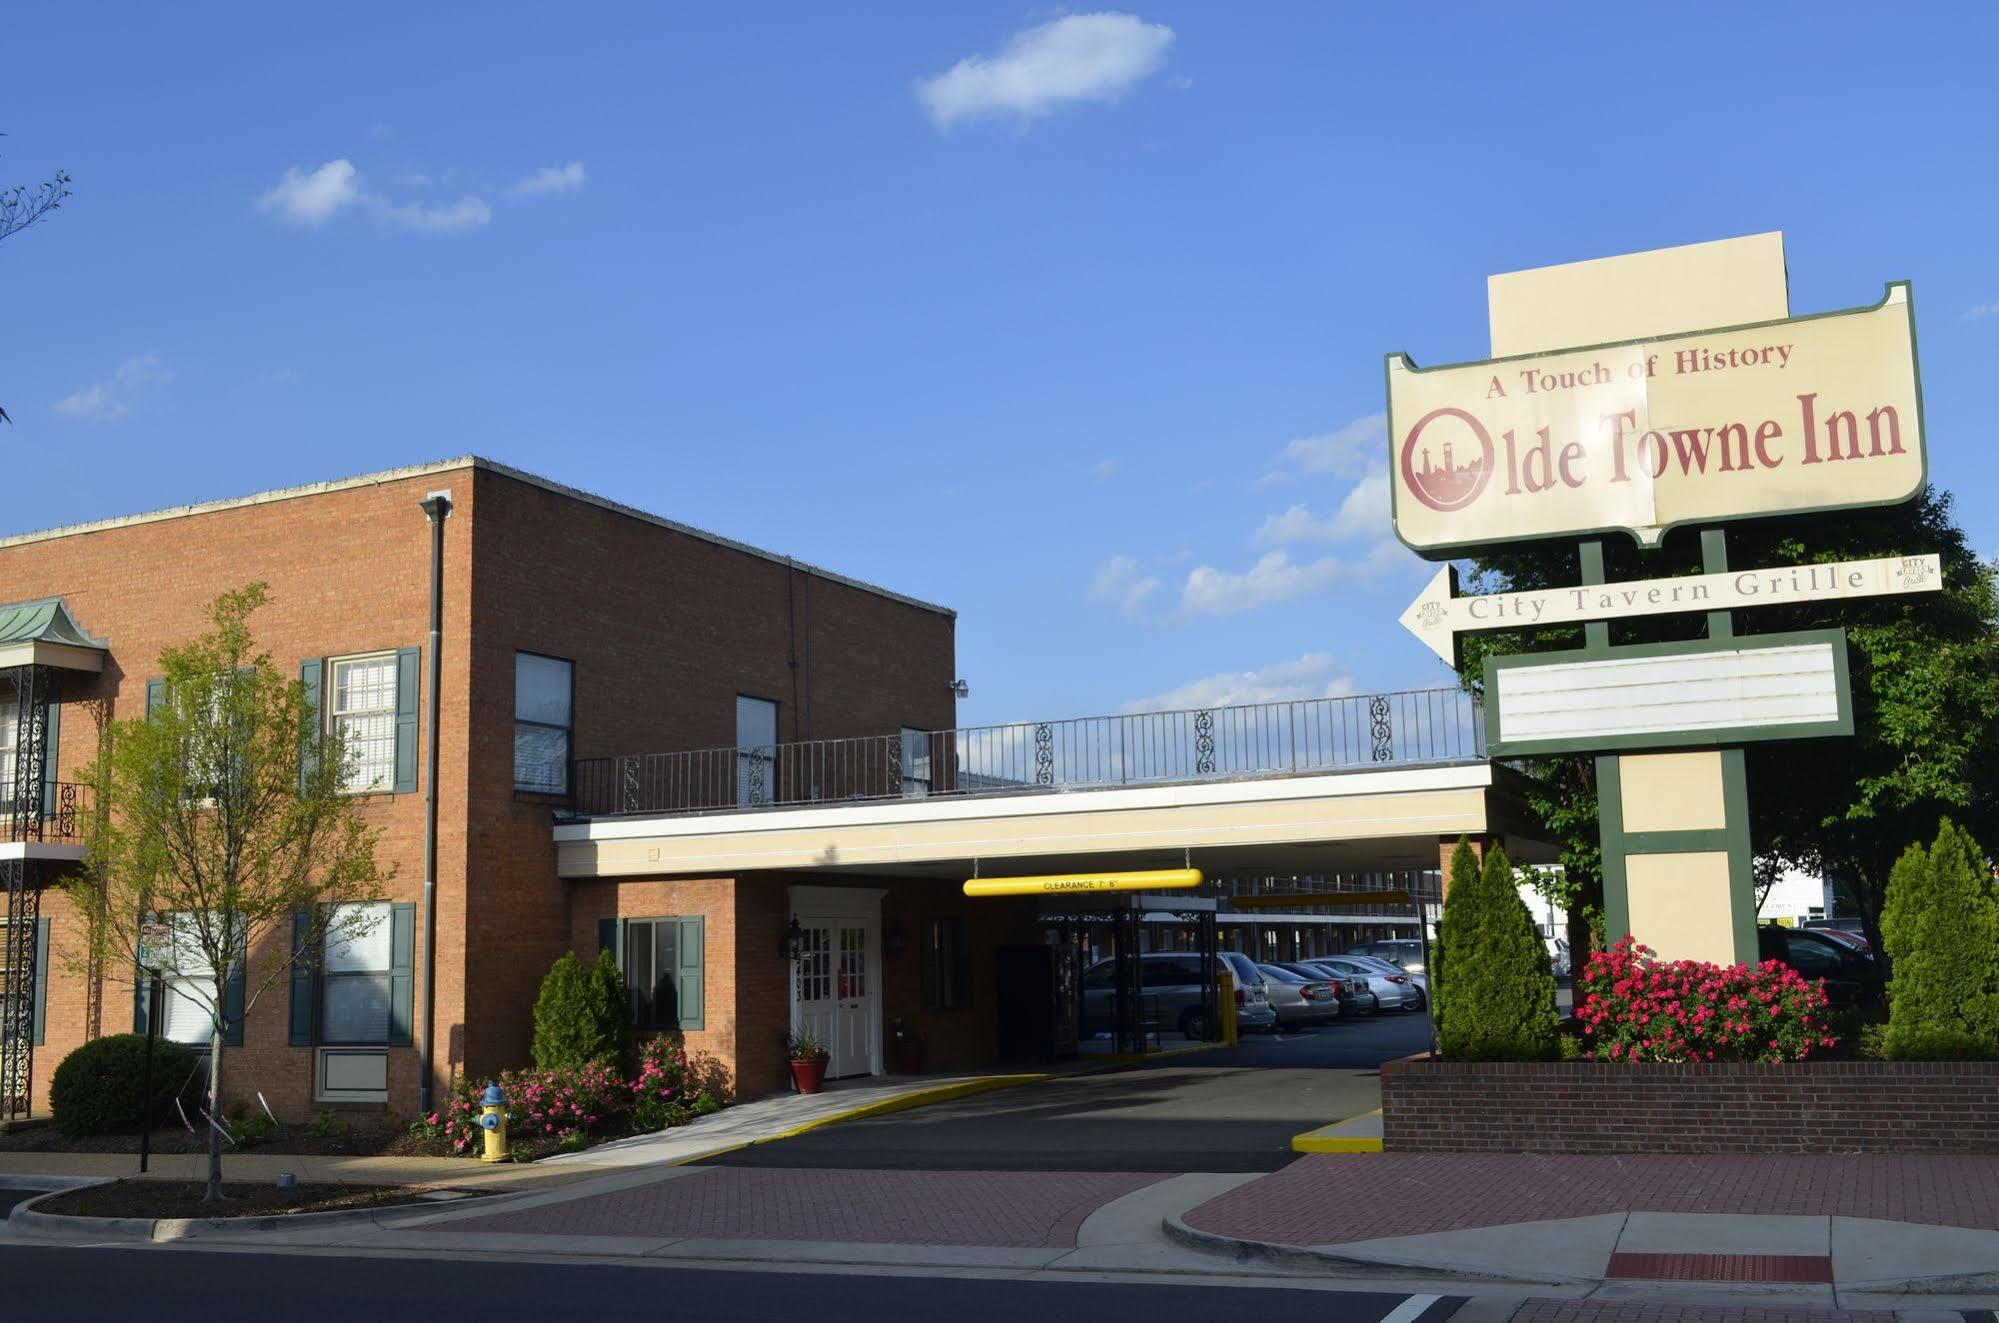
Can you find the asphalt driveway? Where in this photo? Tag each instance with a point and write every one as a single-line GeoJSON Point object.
{"type": "Point", "coordinates": [1223, 1111]}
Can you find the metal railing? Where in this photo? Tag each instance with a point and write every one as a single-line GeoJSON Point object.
{"type": "Point", "coordinates": [1410, 728]}
{"type": "Point", "coordinates": [54, 818]}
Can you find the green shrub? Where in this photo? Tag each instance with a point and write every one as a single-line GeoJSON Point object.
{"type": "Point", "coordinates": [1494, 992]}
{"type": "Point", "coordinates": [1940, 925]}
{"type": "Point", "coordinates": [582, 1016]}
{"type": "Point", "coordinates": [99, 1089]}
{"type": "Point", "coordinates": [251, 1129]}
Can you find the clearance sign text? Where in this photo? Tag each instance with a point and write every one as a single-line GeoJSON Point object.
{"type": "Point", "coordinates": [1060, 883]}
{"type": "Point", "coordinates": [1813, 413]}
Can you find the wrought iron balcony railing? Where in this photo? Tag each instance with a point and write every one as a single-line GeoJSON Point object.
{"type": "Point", "coordinates": [1411, 728]}
{"type": "Point", "coordinates": [57, 817]}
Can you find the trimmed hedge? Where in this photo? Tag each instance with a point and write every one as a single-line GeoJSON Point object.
{"type": "Point", "coordinates": [1940, 925]}
{"type": "Point", "coordinates": [583, 1017]}
{"type": "Point", "coordinates": [100, 1088]}
{"type": "Point", "coordinates": [1492, 989]}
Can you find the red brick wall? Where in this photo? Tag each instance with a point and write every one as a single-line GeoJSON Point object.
{"type": "Point", "coordinates": [666, 629]}
{"type": "Point", "coordinates": [1814, 1107]}
{"type": "Point", "coordinates": [348, 572]}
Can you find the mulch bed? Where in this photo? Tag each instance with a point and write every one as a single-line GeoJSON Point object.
{"type": "Point", "coordinates": [355, 1141]}
{"type": "Point", "coordinates": [185, 1199]}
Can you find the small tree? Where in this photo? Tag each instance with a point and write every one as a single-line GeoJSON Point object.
{"type": "Point", "coordinates": [1499, 992]}
{"type": "Point", "coordinates": [1940, 923]}
{"type": "Point", "coordinates": [582, 1016]}
{"type": "Point", "coordinates": [224, 818]}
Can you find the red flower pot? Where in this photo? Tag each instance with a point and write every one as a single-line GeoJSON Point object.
{"type": "Point", "coordinates": [808, 1075]}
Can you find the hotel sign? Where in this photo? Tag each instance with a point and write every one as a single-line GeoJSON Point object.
{"type": "Point", "coordinates": [1808, 413]}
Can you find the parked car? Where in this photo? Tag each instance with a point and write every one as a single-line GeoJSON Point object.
{"type": "Point", "coordinates": [1354, 994]}
{"type": "Point", "coordinates": [1170, 990]}
{"type": "Point", "coordinates": [1299, 999]}
{"type": "Point", "coordinates": [1391, 989]}
{"type": "Point", "coordinates": [1419, 984]}
{"type": "Point", "coordinates": [1405, 953]}
{"type": "Point", "coordinates": [1852, 977]}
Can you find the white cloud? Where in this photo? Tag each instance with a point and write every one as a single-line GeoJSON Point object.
{"type": "Point", "coordinates": [311, 199]}
{"type": "Point", "coordinates": [114, 398]}
{"type": "Point", "coordinates": [382, 129]}
{"type": "Point", "coordinates": [1274, 578]}
{"type": "Point", "coordinates": [1118, 580]}
{"type": "Point", "coordinates": [1363, 512]}
{"type": "Point", "coordinates": [1314, 675]}
{"type": "Point", "coordinates": [1104, 468]}
{"type": "Point", "coordinates": [463, 214]}
{"type": "Point", "coordinates": [1350, 449]}
{"type": "Point", "coordinates": [1977, 311]}
{"type": "Point", "coordinates": [316, 197]}
{"type": "Point", "coordinates": [1080, 57]}
{"type": "Point", "coordinates": [552, 179]}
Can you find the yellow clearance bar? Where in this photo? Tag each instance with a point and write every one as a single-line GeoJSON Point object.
{"type": "Point", "coordinates": [1056, 884]}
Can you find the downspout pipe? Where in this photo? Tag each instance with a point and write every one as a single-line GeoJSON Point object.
{"type": "Point", "coordinates": [436, 508]}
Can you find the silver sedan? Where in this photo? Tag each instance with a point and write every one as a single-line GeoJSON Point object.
{"type": "Point", "coordinates": [1298, 999]}
{"type": "Point", "coordinates": [1394, 991]}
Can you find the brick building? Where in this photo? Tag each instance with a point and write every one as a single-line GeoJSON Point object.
{"type": "Point", "coordinates": [572, 627]}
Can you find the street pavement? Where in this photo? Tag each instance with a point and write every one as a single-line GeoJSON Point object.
{"type": "Point", "coordinates": [168, 1286]}
{"type": "Point", "coordinates": [1229, 1110]}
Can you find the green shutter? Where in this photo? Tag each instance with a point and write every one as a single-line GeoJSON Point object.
{"type": "Point", "coordinates": [303, 963]}
{"type": "Point", "coordinates": [406, 692]}
{"type": "Point", "coordinates": [156, 696]}
{"type": "Point", "coordinates": [611, 937]}
{"type": "Point", "coordinates": [308, 762]}
{"type": "Point", "coordinates": [232, 999]}
{"type": "Point", "coordinates": [41, 1017]}
{"type": "Point", "coordinates": [688, 977]}
{"type": "Point", "coordinates": [49, 749]}
{"type": "Point", "coordinates": [402, 980]}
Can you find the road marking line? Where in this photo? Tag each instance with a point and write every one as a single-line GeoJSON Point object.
{"type": "Point", "coordinates": [1411, 1309]}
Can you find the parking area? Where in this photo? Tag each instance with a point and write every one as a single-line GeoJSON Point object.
{"type": "Point", "coordinates": [1226, 1110]}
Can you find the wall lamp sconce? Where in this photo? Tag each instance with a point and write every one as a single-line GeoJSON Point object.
{"type": "Point", "coordinates": [894, 941]}
{"type": "Point", "coordinates": [792, 944]}
{"type": "Point", "coordinates": [959, 689]}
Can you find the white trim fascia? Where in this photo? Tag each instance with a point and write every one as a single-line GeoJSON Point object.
{"type": "Point", "coordinates": [1463, 776]}
{"type": "Point", "coordinates": [452, 465]}
{"type": "Point", "coordinates": [836, 902]}
{"type": "Point", "coordinates": [38, 850]}
{"type": "Point", "coordinates": [62, 656]}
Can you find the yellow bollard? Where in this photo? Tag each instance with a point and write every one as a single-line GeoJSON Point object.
{"type": "Point", "coordinates": [1225, 998]}
{"type": "Point", "coordinates": [493, 1120]}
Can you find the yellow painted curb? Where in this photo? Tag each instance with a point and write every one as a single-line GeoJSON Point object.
{"type": "Point", "coordinates": [1326, 1138]}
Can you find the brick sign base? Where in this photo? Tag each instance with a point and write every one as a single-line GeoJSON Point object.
{"type": "Point", "coordinates": [1581, 1107]}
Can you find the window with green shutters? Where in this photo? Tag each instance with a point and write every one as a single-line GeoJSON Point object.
{"type": "Point", "coordinates": [372, 701]}
{"type": "Point", "coordinates": [663, 961]}
{"type": "Point", "coordinates": [357, 989]}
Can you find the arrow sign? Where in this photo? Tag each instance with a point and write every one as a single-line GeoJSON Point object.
{"type": "Point", "coordinates": [1438, 616]}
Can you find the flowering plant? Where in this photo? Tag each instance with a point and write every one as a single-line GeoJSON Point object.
{"type": "Point", "coordinates": [659, 1092]}
{"type": "Point", "coordinates": [1633, 1007]}
{"type": "Point", "coordinates": [582, 1100]}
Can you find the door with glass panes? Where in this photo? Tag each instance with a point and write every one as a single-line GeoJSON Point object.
{"type": "Point", "coordinates": [834, 994]}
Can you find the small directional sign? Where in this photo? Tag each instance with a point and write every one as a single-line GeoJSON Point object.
{"type": "Point", "coordinates": [1438, 615]}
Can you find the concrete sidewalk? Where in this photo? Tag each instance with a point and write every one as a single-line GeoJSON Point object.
{"type": "Point", "coordinates": [1822, 1229]}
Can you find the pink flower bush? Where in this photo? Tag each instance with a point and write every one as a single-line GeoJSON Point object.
{"type": "Point", "coordinates": [1634, 1008]}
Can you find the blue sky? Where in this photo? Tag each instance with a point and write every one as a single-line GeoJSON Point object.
{"type": "Point", "coordinates": [1054, 316]}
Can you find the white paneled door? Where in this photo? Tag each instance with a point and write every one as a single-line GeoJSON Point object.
{"type": "Point", "coordinates": [836, 995]}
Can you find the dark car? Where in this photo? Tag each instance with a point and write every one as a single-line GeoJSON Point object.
{"type": "Point", "coordinates": [1851, 976]}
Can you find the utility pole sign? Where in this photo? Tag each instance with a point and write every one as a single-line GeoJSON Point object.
{"type": "Point", "coordinates": [1439, 615]}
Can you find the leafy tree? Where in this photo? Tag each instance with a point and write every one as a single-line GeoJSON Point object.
{"type": "Point", "coordinates": [1925, 676]}
{"type": "Point", "coordinates": [21, 207]}
{"type": "Point", "coordinates": [1498, 994]}
{"type": "Point", "coordinates": [582, 1016]}
{"type": "Point", "coordinates": [1941, 926]}
{"type": "Point", "coordinates": [224, 817]}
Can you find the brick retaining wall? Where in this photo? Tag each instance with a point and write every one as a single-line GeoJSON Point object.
{"type": "Point", "coordinates": [1580, 1107]}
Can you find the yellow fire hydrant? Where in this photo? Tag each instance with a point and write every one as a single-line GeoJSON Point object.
{"type": "Point", "coordinates": [1225, 997]}
{"type": "Point", "coordinates": [493, 1120]}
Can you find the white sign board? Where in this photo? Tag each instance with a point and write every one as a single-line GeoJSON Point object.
{"type": "Point", "coordinates": [1781, 686]}
{"type": "Point", "coordinates": [1437, 617]}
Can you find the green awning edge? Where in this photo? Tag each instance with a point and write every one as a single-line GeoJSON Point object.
{"type": "Point", "coordinates": [45, 621]}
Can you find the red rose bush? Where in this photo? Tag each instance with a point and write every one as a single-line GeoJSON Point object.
{"type": "Point", "coordinates": [1632, 1007]}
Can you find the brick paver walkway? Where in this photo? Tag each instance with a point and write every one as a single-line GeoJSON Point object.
{"type": "Point", "coordinates": [1325, 1199]}
{"type": "Point", "coordinates": [1603, 1311]}
{"type": "Point", "coordinates": [1025, 1209]}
